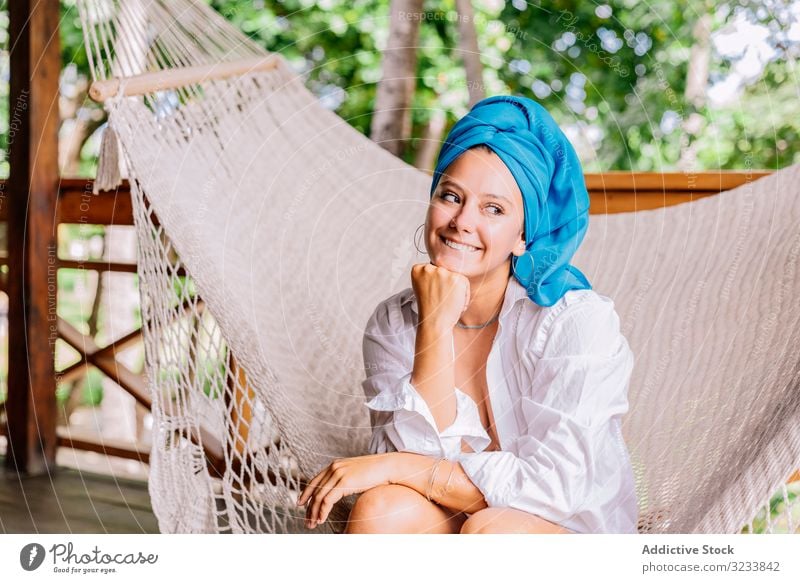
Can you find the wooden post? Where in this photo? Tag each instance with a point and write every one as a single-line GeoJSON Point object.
{"type": "Point", "coordinates": [32, 192]}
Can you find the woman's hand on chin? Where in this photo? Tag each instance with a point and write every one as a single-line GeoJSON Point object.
{"type": "Point", "coordinates": [442, 295]}
{"type": "Point", "coordinates": [341, 478]}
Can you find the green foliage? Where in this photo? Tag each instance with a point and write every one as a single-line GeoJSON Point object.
{"type": "Point", "coordinates": [62, 393]}
{"type": "Point", "coordinates": [616, 73]}
{"type": "Point", "coordinates": [777, 509]}
{"type": "Point", "coordinates": [73, 307]}
{"type": "Point", "coordinates": [73, 49]}
{"type": "Point", "coordinates": [637, 80]}
{"type": "Point", "coordinates": [184, 287]}
{"type": "Point", "coordinates": [8, 125]}
{"type": "Point", "coordinates": [93, 388]}
{"type": "Point", "coordinates": [213, 372]}
{"type": "Point", "coordinates": [619, 93]}
{"type": "Point", "coordinates": [91, 392]}
{"type": "Point", "coordinates": [332, 43]}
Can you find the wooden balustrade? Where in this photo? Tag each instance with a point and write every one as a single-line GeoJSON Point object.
{"type": "Point", "coordinates": [611, 192]}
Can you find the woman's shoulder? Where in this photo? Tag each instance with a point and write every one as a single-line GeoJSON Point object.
{"type": "Point", "coordinates": [585, 299]}
{"type": "Point", "coordinates": [582, 321]}
{"type": "Point", "coordinates": [389, 315]}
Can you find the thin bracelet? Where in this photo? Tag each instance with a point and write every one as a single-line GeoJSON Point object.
{"type": "Point", "coordinates": [433, 477]}
{"type": "Point", "coordinates": [447, 484]}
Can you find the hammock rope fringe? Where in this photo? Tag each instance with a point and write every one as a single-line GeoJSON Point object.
{"type": "Point", "coordinates": [268, 229]}
{"type": "Point", "coordinates": [108, 173]}
{"type": "Point", "coordinates": [109, 176]}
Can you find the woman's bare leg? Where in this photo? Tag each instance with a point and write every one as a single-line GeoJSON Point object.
{"type": "Point", "coordinates": [398, 509]}
{"type": "Point", "coordinates": [509, 521]}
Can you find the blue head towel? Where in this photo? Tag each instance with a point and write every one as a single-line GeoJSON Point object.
{"type": "Point", "coordinates": [547, 170]}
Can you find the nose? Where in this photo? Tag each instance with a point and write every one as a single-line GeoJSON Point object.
{"type": "Point", "coordinates": [465, 219]}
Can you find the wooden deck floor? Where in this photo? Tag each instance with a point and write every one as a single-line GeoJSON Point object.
{"type": "Point", "coordinates": [74, 502]}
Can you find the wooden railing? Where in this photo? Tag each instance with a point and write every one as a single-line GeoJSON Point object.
{"type": "Point", "coordinates": [611, 192]}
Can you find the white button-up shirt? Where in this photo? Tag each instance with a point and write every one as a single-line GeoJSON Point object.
{"type": "Point", "coordinates": [558, 381]}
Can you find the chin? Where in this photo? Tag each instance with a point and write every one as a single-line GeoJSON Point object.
{"type": "Point", "coordinates": [449, 264]}
{"type": "Point", "coordinates": [456, 267]}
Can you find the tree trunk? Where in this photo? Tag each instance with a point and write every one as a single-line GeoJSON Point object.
{"type": "Point", "coordinates": [79, 130]}
{"type": "Point", "coordinates": [470, 53]}
{"type": "Point", "coordinates": [697, 75]}
{"type": "Point", "coordinates": [429, 145]}
{"type": "Point", "coordinates": [696, 88]}
{"type": "Point", "coordinates": [391, 120]}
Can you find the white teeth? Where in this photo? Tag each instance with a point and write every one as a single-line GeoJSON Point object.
{"type": "Point", "coordinates": [459, 246]}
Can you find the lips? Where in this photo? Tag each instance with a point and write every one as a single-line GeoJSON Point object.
{"type": "Point", "coordinates": [458, 246]}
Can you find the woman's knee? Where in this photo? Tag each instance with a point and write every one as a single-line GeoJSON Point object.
{"type": "Point", "coordinates": [479, 522]}
{"type": "Point", "coordinates": [509, 521]}
{"type": "Point", "coordinates": [398, 509]}
{"type": "Point", "coordinates": [381, 509]}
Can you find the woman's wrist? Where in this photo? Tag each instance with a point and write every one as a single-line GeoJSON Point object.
{"type": "Point", "coordinates": [410, 469]}
{"type": "Point", "coordinates": [433, 330]}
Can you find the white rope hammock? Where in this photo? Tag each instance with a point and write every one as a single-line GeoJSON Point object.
{"type": "Point", "coordinates": [293, 226]}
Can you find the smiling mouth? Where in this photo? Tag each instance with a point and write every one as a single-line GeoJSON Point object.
{"type": "Point", "coordinates": [458, 246]}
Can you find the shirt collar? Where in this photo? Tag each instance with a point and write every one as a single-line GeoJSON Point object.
{"type": "Point", "coordinates": [514, 293]}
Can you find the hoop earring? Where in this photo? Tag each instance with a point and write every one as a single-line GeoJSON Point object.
{"type": "Point", "coordinates": [522, 268]}
{"type": "Point", "coordinates": [415, 240]}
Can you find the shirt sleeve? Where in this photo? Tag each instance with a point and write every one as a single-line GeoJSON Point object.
{"type": "Point", "coordinates": [400, 417]}
{"type": "Point", "coordinates": [570, 466]}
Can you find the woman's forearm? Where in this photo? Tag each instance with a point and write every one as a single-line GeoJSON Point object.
{"type": "Point", "coordinates": [433, 376]}
{"type": "Point", "coordinates": [459, 494]}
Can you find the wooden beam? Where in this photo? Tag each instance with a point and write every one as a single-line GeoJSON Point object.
{"type": "Point", "coordinates": [101, 266]}
{"type": "Point", "coordinates": [707, 181]}
{"type": "Point", "coordinates": [620, 201]}
{"type": "Point", "coordinates": [609, 192]}
{"type": "Point", "coordinates": [77, 204]}
{"type": "Point", "coordinates": [133, 383]}
{"type": "Point", "coordinates": [35, 58]}
{"type": "Point", "coordinates": [181, 76]}
{"type": "Point", "coordinates": [97, 265]}
{"type": "Point", "coordinates": [116, 448]}
{"type": "Point", "coordinates": [88, 350]}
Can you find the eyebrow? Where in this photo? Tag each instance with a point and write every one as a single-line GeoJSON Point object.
{"type": "Point", "coordinates": [450, 182]}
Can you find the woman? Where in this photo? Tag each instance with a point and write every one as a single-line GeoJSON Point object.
{"type": "Point", "coordinates": [497, 384]}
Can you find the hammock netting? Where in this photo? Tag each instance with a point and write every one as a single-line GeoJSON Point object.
{"type": "Point", "coordinates": [269, 229]}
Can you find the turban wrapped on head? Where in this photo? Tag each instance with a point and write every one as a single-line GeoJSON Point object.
{"type": "Point", "coordinates": [549, 175]}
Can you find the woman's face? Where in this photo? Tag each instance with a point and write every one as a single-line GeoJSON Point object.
{"type": "Point", "coordinates": [477, 202]}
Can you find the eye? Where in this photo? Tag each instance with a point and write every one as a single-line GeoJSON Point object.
{"type": "Point", "coordinates": [499, 209]}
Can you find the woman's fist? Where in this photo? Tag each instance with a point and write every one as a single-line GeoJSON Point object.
{"type": "Point", "coordinates": [442, 295]}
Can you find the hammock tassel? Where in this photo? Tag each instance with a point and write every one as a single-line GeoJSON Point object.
{"type": "Point", "coordinates": [108, 174]}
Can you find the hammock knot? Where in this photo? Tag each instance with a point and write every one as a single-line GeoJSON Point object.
{"type": "Point", "coordinates": [108, 174]}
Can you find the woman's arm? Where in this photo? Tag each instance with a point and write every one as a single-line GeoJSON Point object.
{"type": "Point", "coordinates": [442, 296]}
{"type": "Point", "coordinates": [400, 416]}
{"type": "Point", "coordinates": [354, 475]}
{"type": "Point", "coordinates": [451, 490]}
{"type": "Point", "coordinates": [433, 375]}
{"type": "Point", "coordinates": [414, 403]}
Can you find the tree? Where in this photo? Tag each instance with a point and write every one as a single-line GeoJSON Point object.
{"type": "Point", "coordinates": [391, 118]}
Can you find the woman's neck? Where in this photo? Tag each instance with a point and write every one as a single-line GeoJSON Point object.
{"type": "Point", "coordinates": [486, 298]}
